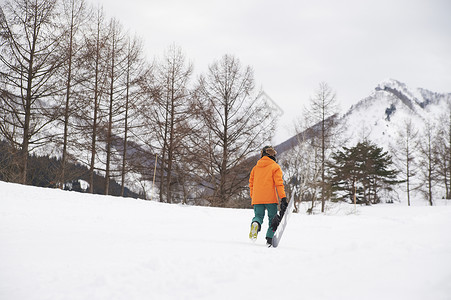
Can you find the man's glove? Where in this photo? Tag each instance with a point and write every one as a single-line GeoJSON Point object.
{"type": "Point", "coordinates": [277, 218]}
{"type": "Point", "coordinates": [283, 206]}
{"type": "Point", "coordinates": [275, 222]}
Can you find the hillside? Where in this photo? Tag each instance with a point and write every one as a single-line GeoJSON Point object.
{"type": "Point", "coordinates": [66, 245]}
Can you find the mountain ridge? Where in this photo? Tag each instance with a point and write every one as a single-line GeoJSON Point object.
{"type": "Point", "coordinates": [378, 116]}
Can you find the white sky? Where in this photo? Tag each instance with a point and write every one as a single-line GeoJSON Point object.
{"type": "Point", "coordinates": [293, 45]}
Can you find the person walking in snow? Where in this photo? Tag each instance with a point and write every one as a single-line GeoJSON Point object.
{"type": "Point", "coordinates": [266, 188]}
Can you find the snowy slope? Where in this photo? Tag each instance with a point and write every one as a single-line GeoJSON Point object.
{"type": "Point", "coordinates": [66, 245]}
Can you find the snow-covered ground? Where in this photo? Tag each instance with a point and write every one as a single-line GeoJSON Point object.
{"type": "Point", "coordinates": [66, 245]}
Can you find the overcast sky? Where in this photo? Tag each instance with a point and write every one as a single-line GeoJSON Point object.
{"type": "Point", "coordinates": [293, 45]}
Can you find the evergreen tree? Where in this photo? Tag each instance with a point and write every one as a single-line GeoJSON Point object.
{"type": "Point", "coordinates": [362, 171]}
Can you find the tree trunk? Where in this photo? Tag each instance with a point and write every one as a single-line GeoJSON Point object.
{"type": "Point", "coordinates": [225, 154]}
{"type": "Point", "coordinates": [171, 145]}
{"type": "Point", "coordinates": [163, 156]}
{"type": "Point", "coordinates": [96, 107]}
{"type": "Point", "coordinates": [448, 184]}
{"type": "Point", "coordinates": [66, 108]}
{"type": "Point", "coordinates": [124, 150]}
{"type": "Point", "coordinates": [323, 159]}
{"type": "Point", "coordinates": [110, 112]}
{"type": "Point", "coordinates": [26, 131]}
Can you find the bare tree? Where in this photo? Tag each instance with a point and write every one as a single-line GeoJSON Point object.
{"type": "Point", "coordinates": [171, 113]}
{"type": "Point", "coordinates": [74, 16]}
{"type": "Point", "coordinates": [443, 151]}
{"type": "Point", "coordinates": [145, 130]}
{"type": "Point", "coordinates": [135, 72]}
{"type": "Point", "coordinates": [321, 115]}
{"type": "Point", "coordinates": [116, 60]}
{"type": "Point", "coordinates": [404, 151]}
{"type": "Point", "coordinates": [234, 126]}
{"type": "Point", "coordinates": [29, 62]}
{"type": "Point", "coordinates": [89, 115]}
{"type": "Point", "coordinates": [301, 168]}
{"type": "Point", "coordinates": [427, 162]}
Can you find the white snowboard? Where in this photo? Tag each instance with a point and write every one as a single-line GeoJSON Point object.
{"type": "Point", "coordinates": [283, 223]}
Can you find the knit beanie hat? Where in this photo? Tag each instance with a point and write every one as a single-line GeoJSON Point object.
{"type": "Point", "coordinates": [268, 151]}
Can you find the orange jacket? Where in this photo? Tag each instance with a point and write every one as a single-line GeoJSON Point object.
{"type": "Point", "coordinates": [265, 177]}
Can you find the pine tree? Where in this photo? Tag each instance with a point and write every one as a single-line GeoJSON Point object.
{"type": "Point", "coordinates": [364, 170]}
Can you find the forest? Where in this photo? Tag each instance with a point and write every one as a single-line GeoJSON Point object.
{"type": "Point", "coordinates": [81, 101]}
{"type": "Point", "coordinates": [77, 86]}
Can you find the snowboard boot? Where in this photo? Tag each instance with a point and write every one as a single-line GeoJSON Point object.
{"type": "Point", "coordinates": [255, 228]}
{"type": "Point", "coordinates": [268, 242]}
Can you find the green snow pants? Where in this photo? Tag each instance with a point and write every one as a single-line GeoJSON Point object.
{"type": "Point", "coordinates": [259, 211]}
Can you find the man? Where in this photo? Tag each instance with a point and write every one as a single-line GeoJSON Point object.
{"type": "Point", "coordinates": [266, 188]}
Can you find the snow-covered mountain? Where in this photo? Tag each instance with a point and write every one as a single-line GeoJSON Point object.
{"type": "Point", "coordinates": [380, 116]}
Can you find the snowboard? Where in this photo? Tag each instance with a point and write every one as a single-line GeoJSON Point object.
{"type": "Point", "coordinates": [283, 223]}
